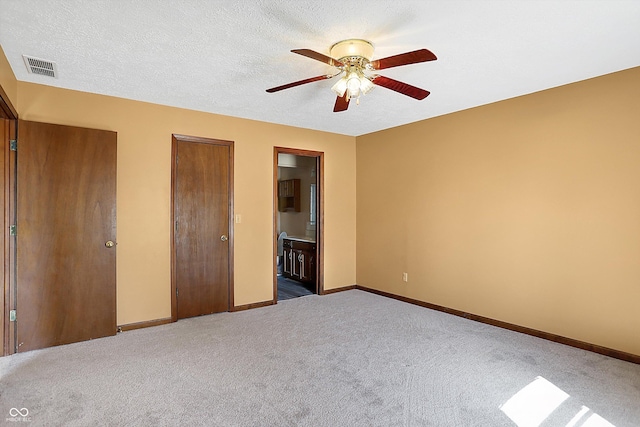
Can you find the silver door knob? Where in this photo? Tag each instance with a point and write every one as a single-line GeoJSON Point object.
{"type": "Point", "coordinates": [224, 238]}
{"type": "Point", "coordinates": [109, 244]}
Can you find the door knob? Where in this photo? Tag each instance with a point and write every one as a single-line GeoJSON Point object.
{"type": "Point", "coordinates": [224, 238]}
{"type": "Point", "coordinates": [109, 244]}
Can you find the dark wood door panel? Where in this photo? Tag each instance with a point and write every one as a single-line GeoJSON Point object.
{"type": "Point", "coordinates": [66, 275]}
{"type": "Point", "coordinates": [201, 213]}
{"type": "Point", "coordinates": [4, 306]}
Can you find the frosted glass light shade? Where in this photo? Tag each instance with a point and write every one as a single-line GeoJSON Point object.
{"type": "Point", "coordinates": [340, 87]}
{"type": "Point", "coordinates": [352, 47]}
{"type": "Point", "coordinates": [365, 85]}
{"type": "Point", "coordinates": [353, 84]}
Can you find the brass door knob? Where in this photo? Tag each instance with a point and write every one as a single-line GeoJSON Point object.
{"type": "Point", "coordinates": [109, 244]}
{"type": "Point", "coordinates": [224, 238]}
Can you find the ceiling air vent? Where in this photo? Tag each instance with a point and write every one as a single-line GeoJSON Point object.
{"type": "Point", "coordinates": [40, 66]}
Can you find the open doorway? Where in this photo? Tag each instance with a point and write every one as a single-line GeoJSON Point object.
{"type": "Point", "coordinates": [298, 219]}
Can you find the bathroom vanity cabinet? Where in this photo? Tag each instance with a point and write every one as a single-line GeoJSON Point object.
{"type": "Point", "coordinates": [299, 259]}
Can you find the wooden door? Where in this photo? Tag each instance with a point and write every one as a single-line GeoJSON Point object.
{"type": "Point", "coordinates": [307, 266]}
{"type": "Point", "coordinates": [295, 264]}
{"type": "Point", "coordinates": [286, 254]}
{"type": "Point", "coordinates": [4, 312]}
{"type": "Point", "coordinates": [66, 214]}
{"type": "Point", "coordinates": [202, 227]}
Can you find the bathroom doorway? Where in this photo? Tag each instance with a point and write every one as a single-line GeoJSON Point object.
{"type": "Point", "coordinates": [298, 220]}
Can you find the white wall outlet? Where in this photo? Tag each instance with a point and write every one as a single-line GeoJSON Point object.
{"type": "Point", "coordinates": [405, 277]}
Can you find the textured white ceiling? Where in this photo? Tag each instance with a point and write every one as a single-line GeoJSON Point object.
{"type": "Point", "coordinates": [220, 56]}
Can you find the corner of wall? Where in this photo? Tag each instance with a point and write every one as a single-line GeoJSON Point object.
{"type": "Point", "coordinates": [8, 80]}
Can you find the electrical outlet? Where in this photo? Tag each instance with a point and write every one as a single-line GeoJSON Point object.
{"type": "Point", "coordinates": [405, 277]}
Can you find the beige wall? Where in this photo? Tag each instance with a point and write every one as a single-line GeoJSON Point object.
{"type": "Point", "coordinates": [8, 81]}
{"type": "Point", "coordinates": [526, 211]}
{"type": "Point", "coordinates": [144, 181]}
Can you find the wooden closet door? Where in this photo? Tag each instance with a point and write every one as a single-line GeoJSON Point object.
{"type": "Point", "coordinates": [66, 222]}
{"type": "Point", "coordinates": [202, 231]}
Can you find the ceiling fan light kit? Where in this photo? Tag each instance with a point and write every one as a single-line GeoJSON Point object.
{"type": "Point", "coordinates": [353, 57]}
{"type": "Point", "coordinates": [355, 54]}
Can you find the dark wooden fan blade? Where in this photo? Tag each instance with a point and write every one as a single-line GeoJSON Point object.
{"type": "Point", "coordinates": [403, 88]}
{"type": "Point", "coordinates": [318, 57]}
{"type": "Point", "coordinates": [421, 55]}
{"type": "Point", "coordinates": [342, 103]}
{"type": "Point", "coordinates": [298, 83]}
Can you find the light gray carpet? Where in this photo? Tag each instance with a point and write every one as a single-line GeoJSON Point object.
{"type": "Point", "coordinates": [346, 359]}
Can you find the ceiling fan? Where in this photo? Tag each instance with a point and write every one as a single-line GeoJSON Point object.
{"type": "Point", "coordinates": [354, 63]}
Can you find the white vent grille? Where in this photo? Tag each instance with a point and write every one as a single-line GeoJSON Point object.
{"type": "Point", "coordinates": [40, 66]}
